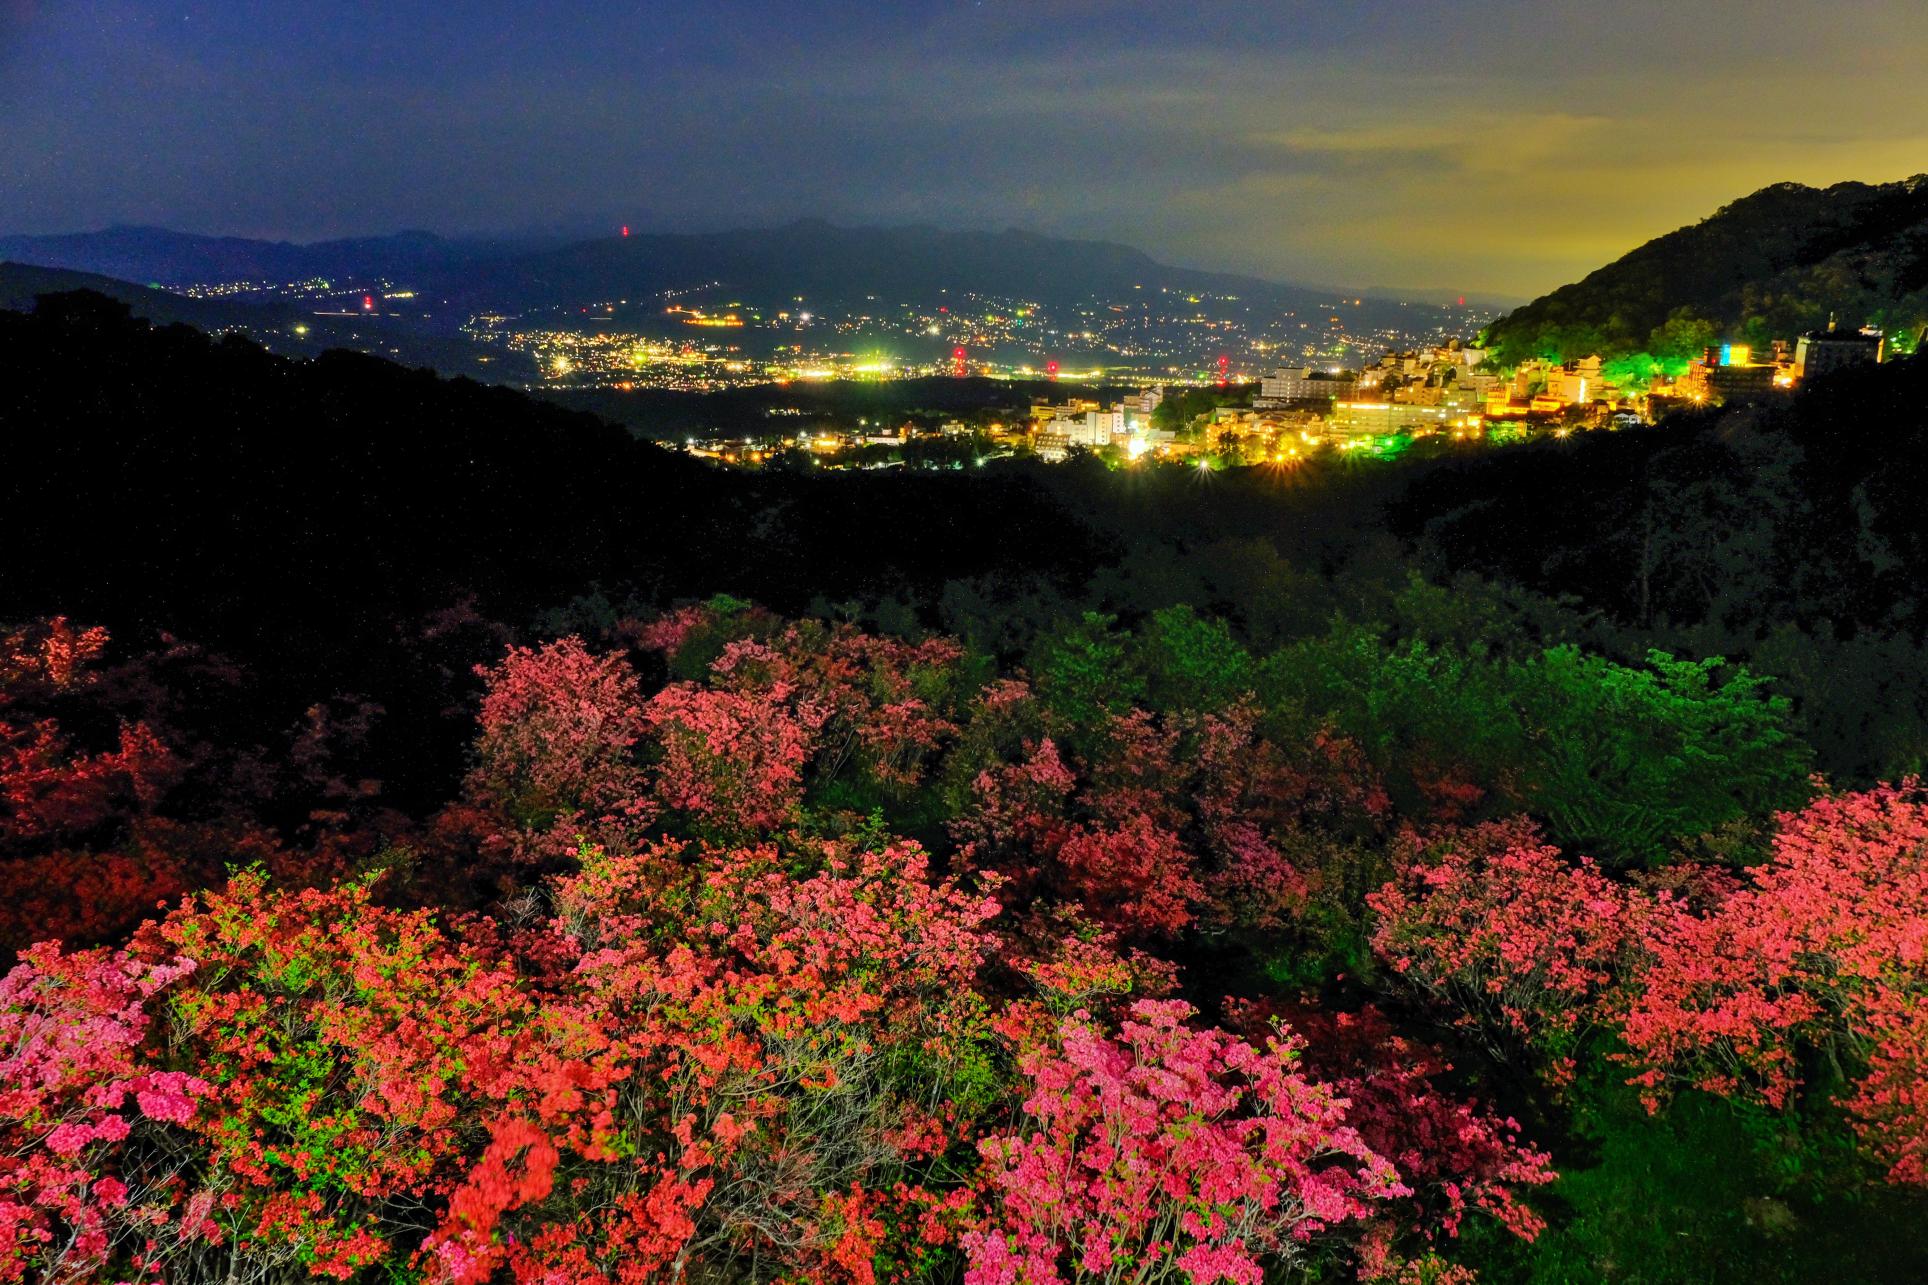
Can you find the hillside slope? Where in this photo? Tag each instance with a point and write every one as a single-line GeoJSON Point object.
{"type": "Point", "coordinates": [164, 257]}
{"type": "Point", "coordinates": [286, 328]}
{"type": "Point", "coordinates": [1769, 265]}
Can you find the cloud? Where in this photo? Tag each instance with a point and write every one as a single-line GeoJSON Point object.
{"type": "Point", "coordinates": [1506, 146]}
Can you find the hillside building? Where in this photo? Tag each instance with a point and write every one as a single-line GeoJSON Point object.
{"type": "Point", "coordinates": [1306, 385]}
{"type": "Point", "coordinates": [1376, 419]}
{"type": "Point", "coordinates": [1820, 351]}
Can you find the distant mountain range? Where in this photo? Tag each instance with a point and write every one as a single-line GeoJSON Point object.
{"type": "Point", "coordinates": [1770, 265]}
{"type": "Point", "coordinates": [818, 260]}
{"type": "Point", "coordinates": [169, 259]}
{"type": "Point", "coordinates": [824, 261]}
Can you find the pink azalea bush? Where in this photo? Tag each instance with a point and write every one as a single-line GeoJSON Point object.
{"type": "Point", "coordinates": [1167, 1153]}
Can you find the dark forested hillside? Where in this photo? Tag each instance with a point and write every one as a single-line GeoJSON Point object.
{"type": "Point", "coordinates": [825, 261]}
{"type": "Point", "coordinates": [1770, 265]}
{"type": "Point", "coordinates": [822, 260]}
{"type": "Point", "coordinates": [168, 258]}
{"type": "Point", "coordinates": [280, 327]}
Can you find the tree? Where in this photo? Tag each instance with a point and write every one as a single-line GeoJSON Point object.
{"type": "Point", "coordinates": [1084, 673]}
{"type": "Point", "coordinates": [1624, 761]}
{"type": "Point", "coordinates": [1191, 662]}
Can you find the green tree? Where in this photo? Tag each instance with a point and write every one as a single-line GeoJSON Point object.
{"type": "Point", "coordinates": [1683, 335]}
{"type": "Point", "coordinates": [1420, 712]}
{"type": "Point", "coordinates": [1084, 671]}
{"type": "Point", "coordinates": [1192, 662]}
{"type": "Point", "coordinates": [1621, 762]}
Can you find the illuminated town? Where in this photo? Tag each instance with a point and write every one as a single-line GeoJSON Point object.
{"type": "Point", "coordinates": [1448, 392]}
{"type": "Point", "coordinates": [695, 342]}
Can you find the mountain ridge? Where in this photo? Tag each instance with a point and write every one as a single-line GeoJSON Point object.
{"type": "Point", "coordinates": [148, 254]}
{"type": "Point", "coordinates": [281, 327]}
{"type": "Point", "coordinates": [1768, 265]}
{"type": "Point", "coordinates": [809, 255]}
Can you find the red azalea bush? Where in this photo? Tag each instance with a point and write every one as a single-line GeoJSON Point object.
{"type": "Point", "coordinates": [353, 1052]}
{"type": "Point", "coordinates": [90, 1126]}
{"type": "Point", "coordinates": [1163, 823]}
{"type": "Point", "coordinates": [732, 762]}
{"type": "Point", "coordinates": [783, 1055]}
{"type": "Point", "coordinates": [1519, 943]}
{"type": "Point", "coordinates": [1453, 1155]}
{"type": "Point", "coordinates": [559, 728]}
{"type": "Point", "coordinates": [1167, 1153]}
{"type": "Point", "coordinates": [1823, 948]}
{"type": "Point", "coordinates": [52, 787]}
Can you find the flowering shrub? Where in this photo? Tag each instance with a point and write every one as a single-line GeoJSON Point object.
{"type": "Point", "coordinates": [1136, 877]}
{"type": "Point", "coordinates": [80, 782]}
{"type": "Point", "coordinates": [879, 705]}
{"type": "Point", "coordinates": [715, 1024]}
{"type": "Point", "coordinates": [556, 751]}
{"type": "Point", "coordinates": [731, 762]}
{"type": "Point", "coordinates": [1825, 947]}
{"type": "Point", "coordinates": [80, 896]}
{"type": "Point", "coordinates": [1453, 1156]}
{"type": "Point", "coordinates": [1519, 943]}
{"type": "Point", "coordinates": [51, 787]}
{"type": "Point", "coordinates": [784, 1053]}
{"type": "Point", "coordinates": [88, 1183]}
{"type": "Point", "coordinates": [353, 1054]}
{"type": "Point", "coordinates": [1167, 1153]}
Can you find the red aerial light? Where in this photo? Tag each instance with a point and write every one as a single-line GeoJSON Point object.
{"type": "Point", "coordinates": [1051, 369]}
{"type": "Point", "coordinates": [1462, 301]}
{"type": "Point", "coordinates": [368, 303]}
{"type": "Point", "coordinates": [959, 366]}
{"type": "Point", "coordinates": [625, 229]}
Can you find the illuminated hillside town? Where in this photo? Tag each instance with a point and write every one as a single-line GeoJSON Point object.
{"type": "Point", "coordinates": [1448, 391]}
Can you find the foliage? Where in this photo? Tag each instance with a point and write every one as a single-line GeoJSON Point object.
{"type": "Point", "coordinates": [1618, 760]}
{"type": "Point", "coordinates": [559, 728]}
{"type": "Point", "coordinates": [1167, 1154]}
{"type": "Point", "coordinates": [1820, 951]}
{"type": "Point", "coordinates": [1517, 943]}
{"type": "Point", "coordinates": [1622, 760]}
{"type": "Point", "coordinates": [1083, 673]}
{"type": "Point", "coordinates": [1192, 662]}
{"type": "Point", "coordinates": [707, 1010]}
{"type": "Point", "coordinates": [87, 1177]}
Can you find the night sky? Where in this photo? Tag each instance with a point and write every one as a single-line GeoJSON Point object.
{"type": "Point", "coordinates": [1498, 146]}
